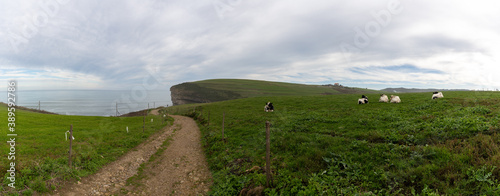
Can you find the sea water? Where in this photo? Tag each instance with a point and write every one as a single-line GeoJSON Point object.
{"type": "Point", "coordinates": [91, 102]}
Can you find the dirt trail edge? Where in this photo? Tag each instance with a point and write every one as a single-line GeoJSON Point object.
{"type": "Point", "coordinates": [181, 168]}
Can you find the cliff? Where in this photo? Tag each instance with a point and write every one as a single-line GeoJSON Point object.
{"type": "Point", "coordinates": [187, 93]}
{"type": "Point", "coordinates": [207, 91]}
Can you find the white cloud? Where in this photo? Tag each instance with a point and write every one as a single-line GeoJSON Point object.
{"type": "Point", "coordinates": [112, 44]}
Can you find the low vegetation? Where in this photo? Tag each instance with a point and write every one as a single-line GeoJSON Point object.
{"type": "Point", "coordinates": [214, 90]}
{"type": "Point", "coordinates": [42, 150]}
{"type": "Point", "coordinates": [330, 145]}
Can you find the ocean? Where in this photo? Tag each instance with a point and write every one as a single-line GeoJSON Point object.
{"type": "Point", "coordinates": [91, 102]}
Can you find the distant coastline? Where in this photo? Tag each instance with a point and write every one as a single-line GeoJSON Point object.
{"type": "Point", "coordinates": [90, 102]}
{"type": "Point", "coordinates": [417, 90]}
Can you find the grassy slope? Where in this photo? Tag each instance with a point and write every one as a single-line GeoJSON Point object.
{"type": "Point", "coordinates": [255, 88]}
{"type": "Point", "coordinates": [330, 145]}
{"type": "Point", "coordinates": [42, 151]}
{"type": "Point", "coordinates": [238, 88]}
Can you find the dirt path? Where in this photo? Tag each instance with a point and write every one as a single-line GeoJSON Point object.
{"type": "Point", "coordinates": [181, 168]}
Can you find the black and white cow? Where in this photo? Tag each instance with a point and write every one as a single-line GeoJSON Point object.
{"type": "Point", "coordinates": [363, 100]}
{"type": "Point", "coordinates": [436, 95]}
{"type": "Point", "coordinates": [269, 107]}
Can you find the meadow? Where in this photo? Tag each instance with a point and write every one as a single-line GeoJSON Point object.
{"type": "Point", "coordinates": [330, 145]}
{"type": "Point", "coordinates": [42, 149]}
{"type": "Point", "coordinates": [227, 89]}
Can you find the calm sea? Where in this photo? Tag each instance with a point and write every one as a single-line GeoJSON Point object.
{"type": "Point", "coordinates": [91, 102]}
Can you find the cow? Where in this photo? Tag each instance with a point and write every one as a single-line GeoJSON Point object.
{"type": "Point", "coordinates": [269, 107]}
{"type": "Point", "coordinates": [395, 99]}
{"type": "Point", "coordinates": [363, 100]}
{"type": "Point", "coordinates": [436, 95]}
{"type": "Point", "coordinates": [383, 98]}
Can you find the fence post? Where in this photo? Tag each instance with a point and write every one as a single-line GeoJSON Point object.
{"type": "Point", "coordinates": [144, 121]}
{"type": "Point", "coordinates": [116, 109]}
{"type": "Point", "coordinates": [70, 143]}
{"type": "Point", "coordinates": [223, 119]}
{"type": "Point", "coordinates": [268, 156]}
{"type": "Point", "coordinates": [39, 106]}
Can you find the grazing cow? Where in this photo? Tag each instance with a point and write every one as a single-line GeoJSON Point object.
{"type": "Point", "coordinates": [269, 107]}
{"type": "Point", "coordinates": [383, 98]}
{"type": "Point", "coordinates": [436, 95]}
{"type": "Point", "coordinates": [363, 100]}
{"type": "Point", "coordinates": [395, 99]}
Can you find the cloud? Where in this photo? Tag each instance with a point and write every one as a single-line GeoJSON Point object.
{"type": "Point", "coordinates": [395, 69]}
{"type": "Point", "coordinates": [115, 43]}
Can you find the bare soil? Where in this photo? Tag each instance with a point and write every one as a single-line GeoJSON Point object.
{"type": "Point", "coordinates": [181, 168]}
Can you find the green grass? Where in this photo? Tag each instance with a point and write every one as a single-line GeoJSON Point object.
{"type": "Point", "coordinates": [254, 88]}
{"type": "Point", "coordinates": [227, 89]}
{"type": "Point", "coordinates": [330, 145]}
{"type": "Point", "coordinates": [42, 151]}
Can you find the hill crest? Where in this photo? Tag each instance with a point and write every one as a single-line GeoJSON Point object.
{"type": "Point", "coordinates": [207, 91]}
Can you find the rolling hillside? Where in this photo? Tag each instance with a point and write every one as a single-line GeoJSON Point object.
{"type": "Point", "coordinates": [208, 91]}
{"type": "Point", "coordinates": [41, 150]}
{"type": "Point", "coordinates": [330, 145]}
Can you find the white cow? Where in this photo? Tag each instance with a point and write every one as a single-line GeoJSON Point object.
{"type": "Point", "coordinates": [363, 100]}
{"type": "Point", "coordinates": [395, 99]}
{"type": "Point", "coordinates": [436, 95]}
{"type": "Point", "coordinates": [383, 98]}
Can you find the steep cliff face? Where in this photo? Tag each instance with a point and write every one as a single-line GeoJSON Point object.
{"type": "Point", "coordinates": [187, 93]}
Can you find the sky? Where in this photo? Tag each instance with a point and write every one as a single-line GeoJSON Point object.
{"type": "Point", "coordinates": [154, 44]}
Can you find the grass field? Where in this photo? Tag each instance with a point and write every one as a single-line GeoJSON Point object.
{"type": "Point", "coordinates": [42, 151]}
{"type": "Point", "coordinates": [255, 88]}
{"type": "Point", "coordinates": [227, 89]}
{"type": "Point", "coordinates": [330, 145]}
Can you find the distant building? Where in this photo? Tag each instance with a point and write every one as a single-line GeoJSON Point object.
{"type": "Point", "coordinates": [336, 84]}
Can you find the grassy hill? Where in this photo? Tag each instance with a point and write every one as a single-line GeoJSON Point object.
{"type": "Point", "coordinates": [207, 91]}
{"type": "Point", "coordinates": [418, 90]}
{"type": "Point", "coordinates": [329, 145]}
{"type": "Point", "coordinates": [42, 151]}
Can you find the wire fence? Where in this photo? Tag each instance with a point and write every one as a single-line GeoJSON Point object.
{"type": "Point", "coordinates": [92, 108]}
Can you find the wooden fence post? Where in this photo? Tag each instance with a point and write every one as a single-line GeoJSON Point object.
{"type": "Point", "coordinates": [144, 121]}
{"type": "Point", "coordinates": [39, 106]}
{"type": "Point", "coordinates": [70, 144]}
{"type": "Point", "coordinates": [268, 156]}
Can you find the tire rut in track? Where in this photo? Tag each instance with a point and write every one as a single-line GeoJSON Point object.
{"type": "Point", "coordinates": [181, 168]}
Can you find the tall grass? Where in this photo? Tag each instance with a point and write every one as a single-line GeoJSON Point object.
{"type": "Point", "coordinates": [330, 145]}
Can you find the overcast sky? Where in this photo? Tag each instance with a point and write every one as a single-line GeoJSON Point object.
{"type": "Point", "coordinates": [154, 44]}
